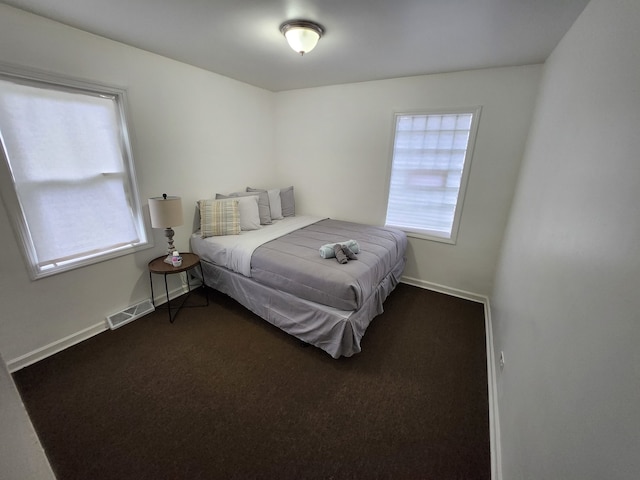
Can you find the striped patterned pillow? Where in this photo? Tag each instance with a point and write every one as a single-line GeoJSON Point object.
{"type": "Point", "coordinates": [219, 217]}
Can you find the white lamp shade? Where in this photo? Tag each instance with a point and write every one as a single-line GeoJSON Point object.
{"type": "Point", "coordinates": [165, 212]}
{"type": "Point", "coordinates": [302, 39]}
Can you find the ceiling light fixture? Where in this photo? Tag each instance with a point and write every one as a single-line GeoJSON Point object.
{"type": "Point", "coordinates": [302, 35]}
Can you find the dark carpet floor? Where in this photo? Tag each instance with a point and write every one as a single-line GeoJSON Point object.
{"type": "Point", "coordinates": [222, 394]}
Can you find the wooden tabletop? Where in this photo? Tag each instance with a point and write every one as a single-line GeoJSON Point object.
{"type": "Point", "coordinates": [158, 265]}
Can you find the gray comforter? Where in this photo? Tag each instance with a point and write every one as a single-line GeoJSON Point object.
{"type": "Point", "coordinates": [292, 263]}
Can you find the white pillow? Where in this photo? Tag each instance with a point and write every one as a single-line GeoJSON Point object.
{"type": "Point", "coordinates": [275, 204]}
{"type": "Point", "coordinates": [249, 213]}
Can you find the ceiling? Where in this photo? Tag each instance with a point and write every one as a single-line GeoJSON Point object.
{"type": "Point", "coordinates": [364, 39]}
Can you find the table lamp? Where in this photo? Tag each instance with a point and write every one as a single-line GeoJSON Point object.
{"type": "Point", "coordinates": [166, 212]}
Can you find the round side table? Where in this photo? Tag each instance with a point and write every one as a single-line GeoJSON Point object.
{"type": "Point", "coordinates": [160, 267]}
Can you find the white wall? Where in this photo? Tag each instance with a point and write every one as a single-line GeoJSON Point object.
{"type": "Point", "coordinates": [194, 133]}
{"type": "Point", "coordinates": [334, 145]}
{"type": "Point", "coordinates": [566, 307]}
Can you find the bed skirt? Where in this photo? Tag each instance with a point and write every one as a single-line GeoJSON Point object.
{"type": "Point", "coordinates": [337, 332]}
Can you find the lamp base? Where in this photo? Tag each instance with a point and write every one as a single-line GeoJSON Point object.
{"type": "Point", "coordinates": [168, 232]}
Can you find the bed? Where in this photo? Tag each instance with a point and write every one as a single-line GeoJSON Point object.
{"type": "Point", "coordinates": [277, 272]}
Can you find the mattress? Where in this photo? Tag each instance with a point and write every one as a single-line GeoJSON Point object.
{"type": "Point", "coordinates": [291, 261]}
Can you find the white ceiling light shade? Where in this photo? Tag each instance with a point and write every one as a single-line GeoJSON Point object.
{"type": "Point", "coordinates": [302, 35]}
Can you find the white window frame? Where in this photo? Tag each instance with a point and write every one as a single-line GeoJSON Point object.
{"type": "Point", "coordinates": [10, 196]}
{"type": "Point", "coordinates": [429, 234]}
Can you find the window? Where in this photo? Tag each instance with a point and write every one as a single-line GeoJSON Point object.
{"type": "Point", "coordinates": [69, 184]}
{"type": "Point", "coordinates": [429, 168]}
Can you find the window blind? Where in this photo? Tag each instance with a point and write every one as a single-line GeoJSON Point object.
{"type": "Point", "coordinates": [64, 148]}
{"type": "Point", "coordinates": [428, 165]}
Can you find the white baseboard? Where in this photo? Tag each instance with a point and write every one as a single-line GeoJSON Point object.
{"type": "Point", "coordinates": [494, 418]}
{"type": "Point", "coordinates": [475, 297]}
{"type": "Point", "coordinates": [41, 353]}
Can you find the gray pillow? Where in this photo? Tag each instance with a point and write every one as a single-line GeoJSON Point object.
{"type": "Point", "coordinates": [288, 202]}
{"type": "Point", "coordinates": [263, 204]}
{"type": "Point", "coordinates": [275, 203]}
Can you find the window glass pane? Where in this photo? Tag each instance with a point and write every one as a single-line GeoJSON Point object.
{"type": "Point", "coordinates": [464, 122]}
{"type": "Point", "coordinates": [453, 179]}
{"type": "Point", "coordinates": [448, 122]}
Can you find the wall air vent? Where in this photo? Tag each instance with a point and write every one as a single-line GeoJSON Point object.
{"type": "Point", "coordinates": [130, 314]}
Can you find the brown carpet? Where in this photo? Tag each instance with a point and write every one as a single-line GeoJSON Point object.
{"type": "Point", "coordinates": [221, 394]}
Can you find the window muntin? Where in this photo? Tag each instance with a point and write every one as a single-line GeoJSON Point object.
{"type": "Point", "coordinates": [430, 162]}
{"type": "Point", "coordinates": [72, 195]}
